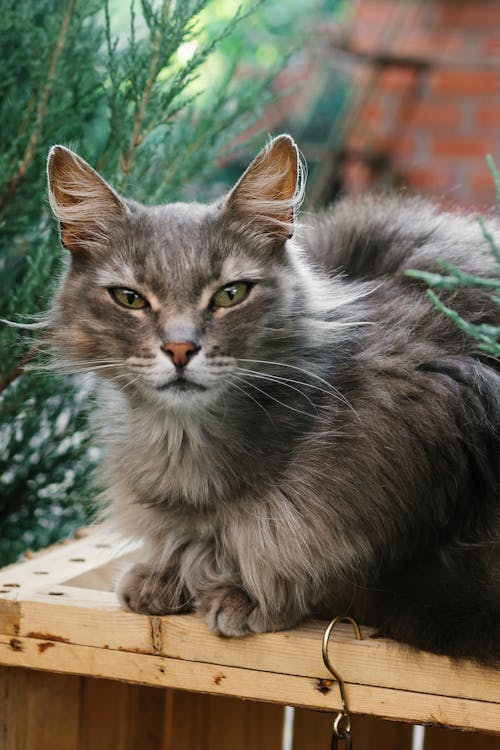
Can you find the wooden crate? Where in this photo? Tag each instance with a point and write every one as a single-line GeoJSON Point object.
{"type": "Point", "coordinates": [58, 614]}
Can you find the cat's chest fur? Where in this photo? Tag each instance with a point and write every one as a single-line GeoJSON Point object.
{"type": "Point", "coordinates": [164, 458]}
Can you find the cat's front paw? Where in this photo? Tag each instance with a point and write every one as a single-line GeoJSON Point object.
{"type": "Point", "coordinates": [229, 611]}
{"type": "Point", "coordinates": [146, 591]}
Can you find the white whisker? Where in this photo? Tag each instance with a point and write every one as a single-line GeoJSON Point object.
{"type": "Point", "coordinates": [32, 326]}
{"type": "Point", "coordinates": [254, 400]}
{"type": "Point", "coordinates": [268, 395]}
{"type": "Point", "coordinates": [277, 379]}
{"type": "Point", "coordinates": [331, 387]}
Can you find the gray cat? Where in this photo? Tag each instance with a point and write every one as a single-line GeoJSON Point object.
{"type": "Point", "coordinates": [288, 422]}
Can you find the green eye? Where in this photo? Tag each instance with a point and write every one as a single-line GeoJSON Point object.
{"type": "Point", "coordinates": [128, 298]}
{"type": "Point", "coordinates": [231, 294]}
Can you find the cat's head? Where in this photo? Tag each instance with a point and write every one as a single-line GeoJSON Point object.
{"type": "Point", "coordinates": [175, 302]}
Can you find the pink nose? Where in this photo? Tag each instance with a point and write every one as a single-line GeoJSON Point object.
{"type": "Point", "coordinates": [180, 352]}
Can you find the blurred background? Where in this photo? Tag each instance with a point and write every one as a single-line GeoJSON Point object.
{"type": "Point", "coordinates": [170, 101]}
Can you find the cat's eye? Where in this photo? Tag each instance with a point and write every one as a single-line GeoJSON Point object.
{"type": "Point", "coordinates": [128, 298]}
{"type": "Point", "coordinates": [231, 294]}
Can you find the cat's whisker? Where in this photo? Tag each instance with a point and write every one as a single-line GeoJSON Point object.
{"type": "Point", "coordinates": [281, 403]}
{"type": "Point", "coordinates": [281, 379]}
{"type": "Point", "coordinates": [271, 379]}
{"type": "Point", "coordinates": [26, 326]}
{"type": "Point", "coordinates": [286, 364]}
{"type": "Point", "coordinates": [62, 370]}
{"type": "Point", "coordinates": [60, 365]}
{"type": "Point", "coordinates": [331, 388]}
{"type": "Point", "coordinates": [248, 395]}
{"type": "Point", "coordinates": [127, 384]}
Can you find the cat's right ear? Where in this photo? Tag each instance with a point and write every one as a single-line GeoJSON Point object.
{"type": "Point", "coordinates": [266, 198]}
{"type": "Point", "coordinates": [81, 200]}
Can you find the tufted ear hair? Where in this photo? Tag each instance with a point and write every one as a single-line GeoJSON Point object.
{"type": "Point", "coordinates": [81, 200]}
{"type": "Point", "coordinates": [269, 193]}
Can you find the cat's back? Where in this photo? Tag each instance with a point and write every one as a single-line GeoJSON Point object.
{"type": "Point", "coordinates": [378, 236]}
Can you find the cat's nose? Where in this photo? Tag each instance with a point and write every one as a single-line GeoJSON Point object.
{"type": "Point", "coordinates": [180, 352]}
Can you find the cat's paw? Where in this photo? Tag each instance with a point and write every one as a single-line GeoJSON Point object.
{"type": "Point", "coordinates": [145, 591]}
{"type": "Point", "coordinates": [229, 611]}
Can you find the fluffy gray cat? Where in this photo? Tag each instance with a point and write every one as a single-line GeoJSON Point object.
{"type": "Point", "coordinates": [289, 424]}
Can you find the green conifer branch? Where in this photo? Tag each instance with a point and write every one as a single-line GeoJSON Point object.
{"type": "Point", "coordinates": [41, 109]}
{"type": "Point", "coordinates": [486, 334]}
{"type": "Point", "coordinates": [154, 67]}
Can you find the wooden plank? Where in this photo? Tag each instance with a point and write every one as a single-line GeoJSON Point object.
{"type": "Point", "coordinates": [105, 627]}
{"type": "Point", "coordinates": [146, 719]}
{"type": "Point", "coordinates": [247, 683]}
{"type": "Point", "coordinates": [8, 716]}
{"type": "Point", "coordinates": [438, 738]}
{"type": "Point", "coordinates": [38, 711]}
{"type": "Point", "coordinates": [10, 617]}
{"type": "Point", "coordinates": [377, 662]}
{"type": "Point", "coordinates": [57, 612]}
{"type": "Point", "coordinates": [64, 562]}
{"type": "Point", "coordinates": [208, 722]}
{"type": "Point", "coordinates": [313, 730]}
{"type": "Point", "coordinates": [104, 710]}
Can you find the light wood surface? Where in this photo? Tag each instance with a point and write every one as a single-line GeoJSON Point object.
{"type": "Point", "coordinates": [58, 614]}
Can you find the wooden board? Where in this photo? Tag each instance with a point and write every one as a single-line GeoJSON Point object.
{"type": "Point", "coordinates": [43, 711]}
{"type": "Point", "coordinates": [58, 613]}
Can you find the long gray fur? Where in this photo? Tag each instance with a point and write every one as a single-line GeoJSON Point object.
{"type": "Point", "coordinates": [338, 450]}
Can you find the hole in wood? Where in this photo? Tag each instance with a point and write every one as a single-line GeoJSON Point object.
{"type": "Point", "coordinates": [77, 559]}
{"type": "Point", "coordinates": [41, 572]}
{"type": "Point", "coordinates": [4, 591]}
{"type": "Point", "coordinates": [12, 585]}
{"type": "Point", "coordinates": [56, 593]}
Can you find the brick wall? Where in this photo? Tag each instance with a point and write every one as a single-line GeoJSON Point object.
{"type": "Point", "coordinates": [426, 98]}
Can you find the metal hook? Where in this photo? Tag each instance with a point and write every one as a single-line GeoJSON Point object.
{"type": "Point", "coordinates": [340, 732]}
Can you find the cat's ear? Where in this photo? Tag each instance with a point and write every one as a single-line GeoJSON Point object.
{"type": "Point", "coordinates": [81, 200]}
{"type": "Point", "coordinates": [268, 194]}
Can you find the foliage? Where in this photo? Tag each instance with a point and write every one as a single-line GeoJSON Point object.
{"type": "Point", "coordinates": [487, 335]}
{"type": "Point", "coordinates": [131, 105]}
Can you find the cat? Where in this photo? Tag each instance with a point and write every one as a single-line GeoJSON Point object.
{"type": "Point", "coordinates": [289, 424]}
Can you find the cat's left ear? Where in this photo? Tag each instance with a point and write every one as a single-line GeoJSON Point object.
{"type": "Point", "coordinates": [268, 194]}
{"type": "Point", "coordinates": [81, 200]}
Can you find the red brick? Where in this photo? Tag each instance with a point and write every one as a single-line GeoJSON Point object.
{"type": "Point", "coordinates": [400, 146]}
{"type": "Point", "coordinates": [371, 113]}
{"type": "Point", "coordinates": [488, 115]}
{"type": "Point", "coordinates": [378, 12]}
{"type": "Point", "coordinates": [356, 177]}
{"type": "Point", "coordinates": [491, 46]}
{"type": "Point", "coordinates": [356, 141]}
{"type": "Point", "coordinates": [428, 179]}
{"type": "Point", "coordinates": [427, 115]}
{"type": "Point", "coordinates": [482, 181]}
{"type": "Point", "coordinates": [472, 14]}
{"type": "Point", "coordinates": [365, 39]}
{"type": "Point", "coordinates": [419, 43]}
{"type": "Point", "coordinates": [465, 81]}
{"type": "Point", "coordinates": [461, 147]}
{"type": "Point", "coordinates": [397, 79]}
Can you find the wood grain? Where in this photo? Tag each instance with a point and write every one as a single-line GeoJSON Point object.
{"type": "Point", "coordinates": [248, 683]}
{"type": "Point", "coordinates": [313, 730]}
{"type": "Point", "coordinates": [207, 722]}
{"type": "Point", "coordinates": [58, 614]}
